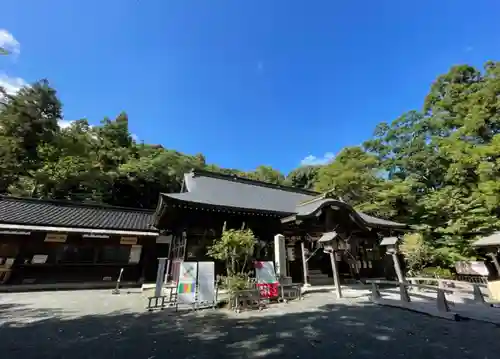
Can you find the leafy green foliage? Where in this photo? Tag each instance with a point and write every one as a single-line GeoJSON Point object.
{"type": "Point", "coordinates": [436, 272]}
{"type": "Point", "coordinates": [418, 254]}
{"type": "Point", "coordinates": [235, 248]}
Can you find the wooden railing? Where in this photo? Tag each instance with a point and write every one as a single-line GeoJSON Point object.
{"type": "Point", "coordinates": [459, 286]}
{"type": "Point", "coordinates": [442, 303]}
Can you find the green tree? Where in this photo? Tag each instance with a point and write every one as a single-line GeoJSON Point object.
{"type": "Point", "coordinates": [235, 248]}
{"type": "Point", "coordinates": [303, 177]}
{"type": "Point", "coordinates": [353, 176]}
{"type": "Point", "coordinates": [28, 120]}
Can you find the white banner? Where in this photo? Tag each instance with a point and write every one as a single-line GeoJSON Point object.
{"type": "Point", "coordinates": [135, 254]}
{"type": "Point", "coordinates": [264, 271]}
{"type": "Point", "coordinates": [186, 288]}
{"type": "Point", "coordinates": [471, 268]}
{"type": "Point", "coordinates": [206, 282]}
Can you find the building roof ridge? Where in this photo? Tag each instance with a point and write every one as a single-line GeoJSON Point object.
{"type": "Point", "coordinates": [243, 180]}
{"type": "Point", "coordinates": [75, 204]}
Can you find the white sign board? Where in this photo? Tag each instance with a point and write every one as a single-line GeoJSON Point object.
{"type": "Point", "coordinates": [186, 287]}
{"type": "Point", "coordinates": [135, 254]}
{"type": "Point", "coordinates": [471, 268]}
{"type": "Point", "coordinates": [56, 237]}
{"type": "Point", "coordinates": [39, 259]}
{"type": "Point", "coordinates": [264, 271]}
{"type": "Point", "coordinates": [159, 276]}
{"type": "Point", "coordinates": [206, 282]}
{"type": "Point", "coordinates": [128, 240]}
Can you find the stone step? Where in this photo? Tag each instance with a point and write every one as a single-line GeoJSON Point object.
{"type": "Point", "coordinates": [321, 281]}
{"type": "Point", "coordinates": [315, 271]}
{"type": "Point", "coordinates": [319, 276]}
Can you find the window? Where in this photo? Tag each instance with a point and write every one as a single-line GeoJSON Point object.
{"type": "Point", "coordinates": [114, 254]}
{"type": "Point", "coordinates": [76, 254]}
{"type": "Point", "coordinates": [35, 248]}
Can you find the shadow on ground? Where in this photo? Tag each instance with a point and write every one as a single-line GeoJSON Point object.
{"type": "Point", "coordinates": [340, 330]}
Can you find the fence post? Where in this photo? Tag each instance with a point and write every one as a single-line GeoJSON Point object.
{"type": "Point", "coordinates": [478, 295]}
{"type": "Point", "coordinates": [375, 292]}
{"type": "Point", "coordinates": [404, 292]}
{"type": "Point", "coordinates": [442, 303]}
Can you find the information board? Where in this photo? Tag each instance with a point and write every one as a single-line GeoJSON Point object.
{"type": "Point", "coordinates": [206, 282]}
{"type": "Point", "coordinates": [186, 288]}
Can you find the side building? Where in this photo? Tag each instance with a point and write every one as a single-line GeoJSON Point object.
{"type": "Point", "coordinates": [196, 216]}
{"type": "Point", "coordinates": [47, 242]}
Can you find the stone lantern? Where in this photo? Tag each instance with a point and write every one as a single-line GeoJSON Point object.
{"type": "Point", "coordinates": [332, 243]}
{"type": "Point", "coordinates": [392, 245]}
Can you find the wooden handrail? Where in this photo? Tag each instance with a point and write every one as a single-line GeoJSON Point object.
{"type": "Point", "coordinates": [408, 283]}
{"type": "Point", "coordinates": [441, 302]}
{"type": "Point", "coordinates": [441, 280]}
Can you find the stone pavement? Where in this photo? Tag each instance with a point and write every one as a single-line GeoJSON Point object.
{"type": "Point", "coordinates": [97, 324]}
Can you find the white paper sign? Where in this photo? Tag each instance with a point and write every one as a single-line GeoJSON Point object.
{"type": "Point", "coordinates": [186, 288]}
{"type": "Point", "coordinates": [39, 259]}
{"type": "Point", "coordinates": [471, 268]}
{"type": "Point", "coordinates": [264, 271]}
{"type": "Point", "coordinates": [135, 254]}
{"type": "Point", "coordinates": [206, 282]}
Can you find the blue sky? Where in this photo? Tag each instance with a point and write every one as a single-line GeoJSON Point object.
{"type": "Point", "coordinates": [245, 82]}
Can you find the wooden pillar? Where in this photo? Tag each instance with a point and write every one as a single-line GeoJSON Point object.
{"type": "Point", "coordinates": [336, 278]}
{"type": "Point", "coordinates": [304, 261]}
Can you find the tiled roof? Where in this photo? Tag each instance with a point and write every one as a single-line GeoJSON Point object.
{"type": "Point", "coordinates": [27, 211]}
{"type": "Point", "coordinates": [310, 207]}
{"type": "Point", "coordinates": [235, 192]}
{"type": "Point", "coordinates": [213, 189]}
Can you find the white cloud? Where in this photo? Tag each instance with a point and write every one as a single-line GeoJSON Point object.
{"type": "Point", "coordinates": [9, 42]}
{"type": "Point", "coordinates": [11, 84]}
{"type": "Point", "coordinates": [65, 123]}
{"type": "Point", "coordinates": [312, 160]}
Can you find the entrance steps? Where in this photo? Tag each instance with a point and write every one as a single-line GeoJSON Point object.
{"type": "Point", "coordinates": [316, 277]}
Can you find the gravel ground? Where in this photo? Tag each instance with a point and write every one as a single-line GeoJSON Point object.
{"type": "Point", "coordinates": [97, 324]}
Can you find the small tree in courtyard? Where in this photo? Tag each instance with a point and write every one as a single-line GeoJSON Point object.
{"type": "Point", "coordinates": [234, 248]}
{"type": "Point", "coordinates": [417, 253]}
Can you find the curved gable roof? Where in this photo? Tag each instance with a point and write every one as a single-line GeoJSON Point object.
{"type": "Point", "coordinates": [240, 194]}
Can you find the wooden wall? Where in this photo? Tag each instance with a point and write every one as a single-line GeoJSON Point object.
{"type": "Point", "coordinates": [51, 259]}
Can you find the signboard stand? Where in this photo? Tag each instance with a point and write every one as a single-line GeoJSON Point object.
{"type": "Point", "coordinates": [187, 284]}
{"type": "Point", "coordinates": [195, 288]}
{"type": "Point", "coordinates": [207, 291]}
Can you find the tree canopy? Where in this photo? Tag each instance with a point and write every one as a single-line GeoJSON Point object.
{"type": "Point", "coordinates": [437, 167]}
